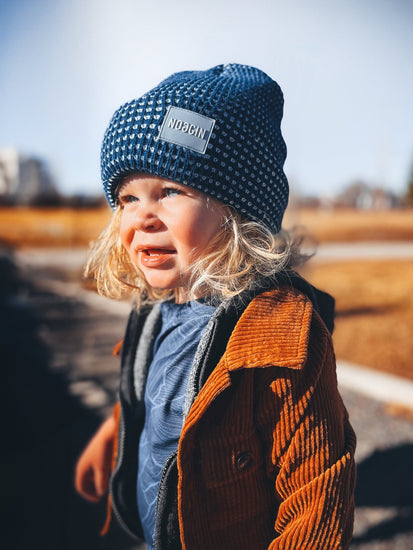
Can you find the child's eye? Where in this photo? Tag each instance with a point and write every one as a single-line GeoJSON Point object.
{"type": "Point", "coordinates": [172, 192]}
{"type": "Point", "coordinates": [127, 199]}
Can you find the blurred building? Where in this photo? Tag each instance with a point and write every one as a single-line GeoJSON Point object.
{"type": "Point", "coordinates": [359, 196]}
{"type": "Point", "coordinates": [25, 180]}
{"type": "Point", "coordinates": [364, 197]}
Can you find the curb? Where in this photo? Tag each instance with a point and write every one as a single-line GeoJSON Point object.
{"type": "Point", "coordinates": [377, 385]}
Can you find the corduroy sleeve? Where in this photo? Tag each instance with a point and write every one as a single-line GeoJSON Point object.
{"type": "Point", "coordinates": [312, 452]}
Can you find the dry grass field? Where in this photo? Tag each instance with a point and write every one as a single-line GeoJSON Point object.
{"type": "Point", "coordinates": [349, 225]}
{"type": "Point", "coordinates": [49, 227]}
{"type": "Point", "coordinates": [374, 298]}
{"type": "Point", "coordinates": [374, 303]}
{"type": "Point", "coordinates": [36, 227]}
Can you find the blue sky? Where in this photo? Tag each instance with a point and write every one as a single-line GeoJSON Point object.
{"type": "Point", "coordinates": [345, 68]}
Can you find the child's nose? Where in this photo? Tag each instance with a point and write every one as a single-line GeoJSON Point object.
{"type": "Point", "coordinates": [147, 218]}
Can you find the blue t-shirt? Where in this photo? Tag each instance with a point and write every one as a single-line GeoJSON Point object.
{"type": "Point", "coordinates": [173, 354]}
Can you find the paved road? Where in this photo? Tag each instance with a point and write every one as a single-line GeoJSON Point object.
{"type": "Point", "coordinates": [364, 251]}
{"type": "Point", "coordinates": [67, 334]}
{"type": "Point", "coordinates": [74, 258]}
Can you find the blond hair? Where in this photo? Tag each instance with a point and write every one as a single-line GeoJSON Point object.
{"type": "Point", "coordinates": [240, 254]}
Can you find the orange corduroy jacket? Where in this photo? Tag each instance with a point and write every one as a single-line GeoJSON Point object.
{"type": "Point", "coordinates": [266, 454]}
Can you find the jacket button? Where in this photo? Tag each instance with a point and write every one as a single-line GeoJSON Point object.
{"type": "Point", "coordinates": [244, 461]}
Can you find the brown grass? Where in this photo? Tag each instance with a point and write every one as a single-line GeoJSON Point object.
{"type": "Point", "coordinates": [27, 227]}
{"type": "Point", "coordinates": [374, 299]}
{"type": "Point", "coordinates": [350, 225]}
{"type": "Point", "coordinates": [39, 227]}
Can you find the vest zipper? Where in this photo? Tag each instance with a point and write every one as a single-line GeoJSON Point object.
{"type": "Point", "coordinates": [157, 543]}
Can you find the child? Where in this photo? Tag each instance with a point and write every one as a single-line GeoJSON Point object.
{"type": "Point", "coordinates": [230, 431]}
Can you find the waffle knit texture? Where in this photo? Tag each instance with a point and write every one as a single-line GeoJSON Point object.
{"type": "Point", "coordinates": [217, 131]}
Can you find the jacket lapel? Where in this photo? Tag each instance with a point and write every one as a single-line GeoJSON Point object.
{"type": "Point", "coordinates": [273, 330]}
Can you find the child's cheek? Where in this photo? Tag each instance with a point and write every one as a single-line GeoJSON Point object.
{"type": "Point", "coordinates": [126, 231]}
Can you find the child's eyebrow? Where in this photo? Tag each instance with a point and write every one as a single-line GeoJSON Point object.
{"type": "Point", "coordinates": [121, 187]}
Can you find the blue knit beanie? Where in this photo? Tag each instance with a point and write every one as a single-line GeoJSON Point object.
{"type": "Point", "coordinates": [217, 131]}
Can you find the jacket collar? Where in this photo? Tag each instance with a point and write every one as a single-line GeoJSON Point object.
{"type": "Point", "coordinates": [273, 330]}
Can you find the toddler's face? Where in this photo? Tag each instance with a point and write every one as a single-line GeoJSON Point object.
{"type": "Point", "coordinates": [164, 227]}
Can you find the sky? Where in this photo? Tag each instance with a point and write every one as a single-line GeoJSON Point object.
{"type": "Point", "coordinates": [345, 67]}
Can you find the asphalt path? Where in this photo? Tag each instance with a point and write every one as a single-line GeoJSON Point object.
{"type": "Point", "coordinates": [68, 334]}
{"type": "Point", "coordinates": [73, 259]}
{"type": "Point", "coordinates": [364, 251]}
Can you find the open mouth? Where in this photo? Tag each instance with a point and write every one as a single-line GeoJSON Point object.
{"type": "Point", "coordinates": [156, 251]}
{"type": "Point", "coordinates": [154, 257]}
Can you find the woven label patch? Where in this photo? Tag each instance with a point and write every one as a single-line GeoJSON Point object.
{"type": "Point", "coordinates": [186, 128]}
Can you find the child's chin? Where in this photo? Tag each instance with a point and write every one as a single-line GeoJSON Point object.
{"type": "Point", "coordinates": [162, 286]}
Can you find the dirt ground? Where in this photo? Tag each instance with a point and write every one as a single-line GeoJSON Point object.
{"type": "Point", "coordinates": [374, 300]}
